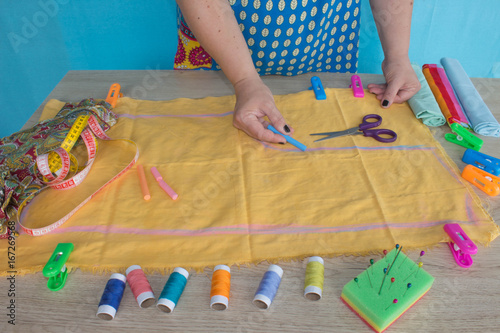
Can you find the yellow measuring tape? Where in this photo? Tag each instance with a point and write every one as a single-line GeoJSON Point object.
{"type": "Point", "coordinates": [55, 162]}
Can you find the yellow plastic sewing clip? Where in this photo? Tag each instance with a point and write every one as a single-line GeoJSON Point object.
{"type": "Point", "coordinates": [55, 269]}
{"type": "Point", "coordinates": [113, 94]}
{"type": "Point", "coordinates": [463, 137]}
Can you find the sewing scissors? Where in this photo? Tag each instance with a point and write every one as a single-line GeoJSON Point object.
{"type": "Point", "coordinates": [369, 121]}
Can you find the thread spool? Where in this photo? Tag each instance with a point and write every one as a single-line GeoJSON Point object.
{"type": "Point", "coordinates": [315, 276]}
{"type": "Point", "coordinates": [221, 285]}
{"type": "Point", "coordinates": [140, 286]}
{"type": "Point", "coordinates": [268, 287]}
{"type": "Point", "coordinates": [111, 296]}
{"type": "Point", "coordinates": [173, 290]}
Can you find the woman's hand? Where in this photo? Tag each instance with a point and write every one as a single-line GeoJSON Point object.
{"type": "Point", "coordinates": [401, 83]}
{"type": "Point", "coordinates": [254, 101]}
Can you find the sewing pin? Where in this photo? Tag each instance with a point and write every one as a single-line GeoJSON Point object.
{"type": "Point", "coordinates": [390, 267]}
{"type": "Point", "coordinates": [402, 262]}
{"type": "Point", "coordinates": [408, 286]}
{"type": "Point", "coordinates": [420, 264]}
{"type": "Point", "coordinates": [393, 302]}
{"type": "Point", "coordinates": [371, 264]}
{"type": "Point", "coordinates": [421, 255]}
{"type": "Point", "coordinates": [385, 255]}
{"type": "Point", "coordinates": [357, 282]}
{"type": "Point", "coordinates": [369, 279]}
{"type": "Point", "coordinates": [392, 282]}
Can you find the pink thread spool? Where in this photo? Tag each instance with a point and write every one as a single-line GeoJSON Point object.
{"type": "Point", "coordinates": [140, 286]}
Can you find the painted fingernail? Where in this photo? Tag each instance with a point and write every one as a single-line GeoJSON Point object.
{"type": "Point", "coordinates": [286, 128]}
{"type": "Point", "coordinates": [385, 102]}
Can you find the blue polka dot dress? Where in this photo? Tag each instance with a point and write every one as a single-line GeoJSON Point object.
{"type": "Point", "coordinates": [290, 37]}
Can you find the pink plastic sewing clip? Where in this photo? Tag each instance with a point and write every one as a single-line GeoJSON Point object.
{"type": "Point", "coordinates": [461, 246]}
{"type": "Point", "coordinates": [357, 86]}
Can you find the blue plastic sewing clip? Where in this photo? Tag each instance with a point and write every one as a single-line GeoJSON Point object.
{"type": "Point", "coordinates": [318, 88]}
{"type": "Point", "coordinates": [463, 137]}
{"type": "Point", "coordinates": [55, 269]}
{"type": "Point", "coordinates": [461, 246]}
{"type": "Point", "coordinates": [482, 161]}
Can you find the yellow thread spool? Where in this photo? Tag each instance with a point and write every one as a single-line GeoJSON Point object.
{"type": "Point", "coordinates": [313, 284]}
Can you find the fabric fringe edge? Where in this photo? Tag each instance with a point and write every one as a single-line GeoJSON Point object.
{"type": "Point", "coordinates": [100, 270]}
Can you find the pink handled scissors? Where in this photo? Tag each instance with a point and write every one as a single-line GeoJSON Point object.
{"type": "Point", "coordinates": [369, 121]}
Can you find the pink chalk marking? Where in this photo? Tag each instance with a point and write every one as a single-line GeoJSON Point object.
{"type": "Point", "coordinates": [164, 186]}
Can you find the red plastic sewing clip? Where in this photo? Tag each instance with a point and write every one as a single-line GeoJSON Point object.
{"type": "Point", "coordinates": [461, 246]}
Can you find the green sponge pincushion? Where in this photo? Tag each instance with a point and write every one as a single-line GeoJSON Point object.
{"type": "Point", "coordinates": [378, 298]}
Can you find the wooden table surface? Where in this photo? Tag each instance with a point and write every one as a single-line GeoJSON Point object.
{"type": "Point", "coordinates": [461, 300]}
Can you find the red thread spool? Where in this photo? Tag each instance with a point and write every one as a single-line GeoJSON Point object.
{"type": "Point", "coordinates": [140, 286]}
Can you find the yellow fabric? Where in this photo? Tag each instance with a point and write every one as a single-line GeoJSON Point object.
{"type": "Point", "coordinates": [242, 201]}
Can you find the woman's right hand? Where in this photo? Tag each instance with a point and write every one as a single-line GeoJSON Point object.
{"type": "Point", "coordinates": [254, 101]}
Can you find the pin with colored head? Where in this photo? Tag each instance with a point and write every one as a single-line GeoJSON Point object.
{"type": "Point", "coordinates": [420, 264]}
{"type": "Point", "coordinates": [393, 302]}
{"type": "Point", "coordinates": [392, 282]}
{"type": "Point", "coordinates": [408, 286]}
{"type": "Point", "coordinates": [397, 248]}
{"type": "Point", "coordinates": [357, 282]}
{"type": "Point", "coordinates": [383, 279]}
{"type": "Point", "coordinates": [371, 264]}
{"type": "Point", "coordinates": [421, 255]}
{"type": "Point", "coordinates": [385, 255]}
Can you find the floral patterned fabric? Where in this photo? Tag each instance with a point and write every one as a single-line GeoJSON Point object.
{"type": "Point", "coordinates": [190, 54]}
{"type": "Point", "coordinates": [19, 177]}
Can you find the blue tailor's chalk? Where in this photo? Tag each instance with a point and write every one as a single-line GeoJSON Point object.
{"type": "Point", "coordinates": [288, 139]}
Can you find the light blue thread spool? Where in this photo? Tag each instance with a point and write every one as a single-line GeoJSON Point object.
{"type": "Point", "coordinates": [268, 287]}
{"type": "Point", "coordinates": [112, 296]}
{"type": "Point", "coordinates": [173, 290]}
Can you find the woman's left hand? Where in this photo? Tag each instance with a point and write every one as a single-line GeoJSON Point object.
{"type": "Point", "coordinates": [401, 83]}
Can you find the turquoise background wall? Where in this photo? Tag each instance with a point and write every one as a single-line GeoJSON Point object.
{"type": "Point", "coordinates": [40, 40]}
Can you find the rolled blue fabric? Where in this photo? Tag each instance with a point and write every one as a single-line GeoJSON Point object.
{"type": "Point", "coordinates": [423, 103]}
{"type": "Point", "coordinates": [482, 120]}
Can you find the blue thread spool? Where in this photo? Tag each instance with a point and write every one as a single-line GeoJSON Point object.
{"type": "Point", "coordinates": [112, 296]}
{"type": "Point", "coordinates": [173, 290]}
{"type": "Point", "coordinates": [268, 287]}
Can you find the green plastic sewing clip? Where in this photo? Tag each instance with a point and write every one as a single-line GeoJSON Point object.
{"type": "Point", "coordinates": [463, 137]}
{"type": "Point", "coordinates": [55, 269]}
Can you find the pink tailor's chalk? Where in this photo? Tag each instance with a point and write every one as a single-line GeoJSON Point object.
{"type": "Point", "coordinates": [156, 174]}
{"type": "Point", "coordinates": [168, 189]}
